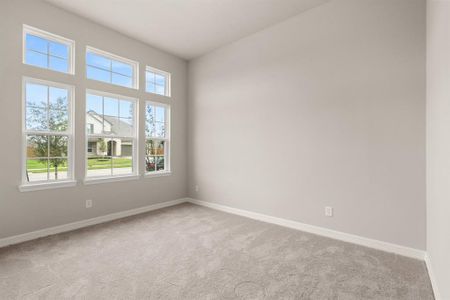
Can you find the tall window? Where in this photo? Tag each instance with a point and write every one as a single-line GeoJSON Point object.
{"type": "Point", "coordinates": [157, 143]}
{"type": "Point", "coordinates": [110, 68]}
{"type": "Point", "coordinates": [48, 51]}
{"type": "Point", "coordinates": [111, 146]}
{"type": "Point", "coordinates": [157, 81]}
{"type": "Point", "coordinates": [47, 131]}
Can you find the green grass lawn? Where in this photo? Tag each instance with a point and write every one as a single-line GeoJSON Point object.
{"type": "Point", "coordinates": [37, 166]}
{"type": "Point", "coordinates": [105, 163]}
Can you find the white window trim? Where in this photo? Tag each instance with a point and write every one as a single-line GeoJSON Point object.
{"type": "Point", "coordinates": [135, 138]}
{"type": "Point", "coordinates": [168, 141]}
{"type": "Point", "coordinates": [135, 65]}
{"type": "Point", "coordinates": [70, 181]}
{"type": "Point", "coordinates": [167, 75]}
{"type": "Point", "coordinates": [51, 37]}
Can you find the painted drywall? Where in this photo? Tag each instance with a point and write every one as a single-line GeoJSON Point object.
{"type": "Point", "coordinates": [24, 212]}
{"type": "Point", "coordinates": [324, 109]}
{"type": "Point", "coordinates": [438, 143]}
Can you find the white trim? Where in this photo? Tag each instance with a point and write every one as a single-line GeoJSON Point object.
{"type": "Point", "coordinates": [95, 180]}
{"type": "Point", "coordinates": [47, 185]}
{"type": "Point", "coordinates": [84, 223]}
{"type": "Point", "coordinates": [346, 237]}
{"type": "Point", "coordinates": [51, 37]}
{"type": "Point", "coordinates": [168, 79]}
{"type": "Point", "coordinates": [437, 295]}
{"type": "Point", "coordinates": [111, 56]}
{"type": "Point", "coordinates": [70, 132]}
{"type": "Point", "coordinates": [157, 174]}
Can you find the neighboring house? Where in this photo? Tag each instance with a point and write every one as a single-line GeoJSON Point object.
{"type": "Point", "coordinates": [108, 146]}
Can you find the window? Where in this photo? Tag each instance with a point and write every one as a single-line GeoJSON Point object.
{"type": "Point", "coordinates": [47, 132]}
{"type": "Point", "coordinates": [157, 143]}
{"type": "Point", "coordinates": [110, 68]}
{"type": "Point", "coordinates": [48, 51]}
{"type": "Point", "coordinates": [157, 81]}
{"type": "Point", "coordinates": [111, 135]}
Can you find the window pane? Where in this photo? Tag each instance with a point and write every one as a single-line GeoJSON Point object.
{"type": "Point", "coordinates": [150, 129]}
{"type": "Point", "coordinates": [159, 163]}
{"type": "Point", "coordinates": [58, 168]}
{"type": "Point", "coordinates": [160, 113]}
{"type": "Point", "coordinates": [37, 146]}
{"type": "Point", "coordinates": [122, 68]}
{"type": "Point", "coordinates": [58, 49]}
{"type": "Point", "coordinates": [150, 87]}
{"type": "Point", "coordinates": [150, 76]}
{"type": "Point", "coordinates": [155, 153]}
{"type": "Point", "coordinates": [58, 146]}
{"type": "Point", "coordinates": [58, 98]}
{"type": "Point", "coordinates": [150, 148]}
{"type": "Point", "coordinates": [160, 130]}
{"type": "Point", "coordinates": [159, 90]}
{"type": "Point", "coordinates": [111, 107]}
{"type": "Point", "coordinates": [98, 61]}
{"type": "Point", "coordinates": [122, 165]}
{"type": "Point", "coordinates": [36, 43]}
{"type": "Point", "coordinates": [58, 64]}
{"type": "Point", "coordinates": [94, 103]}
{"type": "Point", "coordinates": [36, 118]}
{"type": "Point", "coordinates": [98, 74]}
{"type": "Point", "coordinates": [150, 163]}
{"type": "Point", "coordinates": [37, 170]}
{"type": "Point", "coordinates": [99, 166]}
{"type": "Point", "coordinates": [125, 127]}
{"type": "Point", "coordinates": [126, 109]}
{"type": "Point", "coordinates": [36, 95]}
{"type": "Point", "coordinates": [122, 80]}
{"type": "Point", "coordinates": [58, 120]}
{"type": "Point", "coordinates": [36, 59]}
{"type": "Point", "coordinates": [160, 79]}
{"type": "Point", "coordinates": [94, 115]}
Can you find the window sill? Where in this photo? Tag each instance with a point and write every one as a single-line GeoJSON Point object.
{"type": "Point", "coordinates": [157, 174]}
{"type": "Point", "coordinates": [96, 180]}
{"type": "Point", "coordinates": [46, 185]}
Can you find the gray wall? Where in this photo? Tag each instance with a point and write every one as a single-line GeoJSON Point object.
{"type": "Point", "coordinates": [326, 108]}
{"type": "Point", "coordinates": [438, 142]}
{"type": "Point", "coordinates": [24, 212]}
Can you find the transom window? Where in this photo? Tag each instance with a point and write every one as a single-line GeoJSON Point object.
{"type": "Point", "coordinates": [111, 145]}
{"type": "Point", "coordinates": [157, 132]}
{"type": "Point", "coordinates": [48, 51]}
{"type": "Point", "coordinates": [110, 68]}
{"type": "Point", "coordinates": [157, 81]}
{"type": "Point", "coordinates": [47, 131]}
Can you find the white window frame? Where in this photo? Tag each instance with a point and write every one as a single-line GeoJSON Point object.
{"type": "Point", "coordinates": [51, 37]}
{"type": "Point", "coordinates": [135, 139]}
{"type": "Point", "coordinates": [111, 56]}
{"type": "Point", "coordinates": [167, 76]}
{"type": "Point", "coordinates": [167, 141]}
{"type": "Point", "coordinates": [70, 133]}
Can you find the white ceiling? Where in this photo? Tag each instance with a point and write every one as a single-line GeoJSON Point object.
{"type": "Point", "coordinates": [187, 28]}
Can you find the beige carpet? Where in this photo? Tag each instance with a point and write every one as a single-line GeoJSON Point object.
{"type": "Point", "coordinates": [192, 252]}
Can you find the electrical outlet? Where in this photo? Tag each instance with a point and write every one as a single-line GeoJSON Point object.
{"type": "Point", "coordinates": [88, 203]}
{"type": "Point", "coordinates": [328, 211]}
{"type": "Point", "coordinates": [196, 188]}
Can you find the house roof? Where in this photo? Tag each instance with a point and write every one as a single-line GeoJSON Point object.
{"type": "Point", "coordinates": [118, 125]}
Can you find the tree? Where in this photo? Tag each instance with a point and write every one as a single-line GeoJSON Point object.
{"type": "Point", "coordinates": [102, 147]}
{"type": "Point", "coordinates": [52, 147]}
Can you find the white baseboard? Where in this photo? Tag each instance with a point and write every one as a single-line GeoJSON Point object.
{"type": "Point", "coordinates": [346, 237]}
{"type": "Point", "coordinates": [380, 245]}
{"type": "Point", "coordinates": [437, 295]}
{"type": "Point", "coordinates": [84, 223]}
